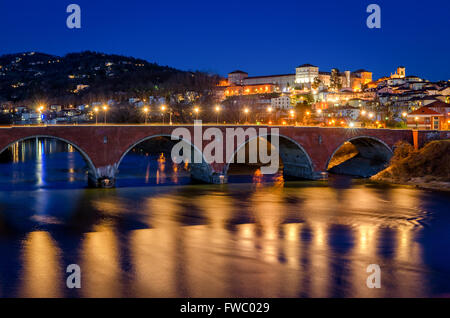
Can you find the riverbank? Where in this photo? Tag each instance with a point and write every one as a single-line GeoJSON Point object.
{"type": "Point", "coordinates": [427, 168]}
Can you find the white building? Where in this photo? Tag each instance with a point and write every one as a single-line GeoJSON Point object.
{"type": "Point", "coordinates": [282, 102]}
{"type": "Point", "coordinates": [306, 73]}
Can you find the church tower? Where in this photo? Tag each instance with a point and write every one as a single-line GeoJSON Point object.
{"type": "Point", "coordinates": [401, 71]}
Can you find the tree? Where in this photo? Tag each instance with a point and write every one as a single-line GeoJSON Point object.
{"type": "Point", "coordinates": [6, 119]}
{"type": "Point", "coordinates": [335, 79]}
{"type": "Point", "coordinates": [316, 84]}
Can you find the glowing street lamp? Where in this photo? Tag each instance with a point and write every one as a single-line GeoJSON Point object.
{"type": "Point", "coordinates": [306, 118]}
{"type": "Point", "coordinates": [105, 109]}
{"type": "Point", "coordinates": [371, 115]}
{"type": "Point", "coordinates": [163, 109]}
{"type": "Point", "coordinates": [363, 112]}
{"type": "Point", "coordinates": [196, 110]}
{"type": "Point", "coordinates": [404, 115]}
{"type": "Point", "coordinates": [96, 110]}
{"type": "Point", "coordinates": [41, 110]}
{"type": "Point", "coordinates": [217, 109]}
{"type": "Point", "coordinates": [246, 111]}
{"type": "Point", "coordinates": [269, 110]}
{"type": "Point", "coordinates": [146, 110]}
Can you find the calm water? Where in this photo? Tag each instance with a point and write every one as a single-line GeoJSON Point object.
{"type": "Point", "coordinates": [158, 235]}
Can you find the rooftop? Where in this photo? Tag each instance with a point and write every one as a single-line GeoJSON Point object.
{"type": "Point", "coordinates": [265, 76]}
{"type": "Point", "coordinates": [424, 111]}
{"type": "Point", "coordinates": [238, 72]}
{"type": "Point", "coordinates": [307, 65]}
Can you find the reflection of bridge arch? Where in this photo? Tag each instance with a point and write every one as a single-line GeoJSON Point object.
{"type": "Point", "coordinates": [201, 171]}
{"type": "Point", "coordinates": [91, 166]}
{"type": "Point", "coordinates": [373, 155]}
{"type": "Point", "coordinates": [296, 160]}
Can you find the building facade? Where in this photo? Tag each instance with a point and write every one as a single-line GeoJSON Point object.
{"type": "Point", "coordinates": [282, 102]}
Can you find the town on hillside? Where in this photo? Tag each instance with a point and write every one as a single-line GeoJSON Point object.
{"type": "Point", "coordinates": [96, 88]}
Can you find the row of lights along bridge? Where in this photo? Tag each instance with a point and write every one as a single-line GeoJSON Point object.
{"type": "Point", "coordinates": [196, 110]}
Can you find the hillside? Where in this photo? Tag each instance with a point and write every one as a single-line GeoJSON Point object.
{"type": "Point", "coordinates": [426, 167]}
{"type": "Point", "coordinates": [36, 76]}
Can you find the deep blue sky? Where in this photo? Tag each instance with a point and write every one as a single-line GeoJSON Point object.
{"type": "Point", "coordinates": [260, 37]}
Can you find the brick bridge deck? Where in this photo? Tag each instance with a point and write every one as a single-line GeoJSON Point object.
{"type": "Point", "coordinates": [305, 151]}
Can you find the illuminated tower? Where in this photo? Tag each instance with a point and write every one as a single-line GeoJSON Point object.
{"type": "Point", "coordinates": [401, 71]}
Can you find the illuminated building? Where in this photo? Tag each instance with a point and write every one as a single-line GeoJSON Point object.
{"type": "Point", "coordinates": [425, 118]}
{"type": "Point", "coordinates": [236, 90]}
{"type": "Point", "coordinates": [282, 102]}
{"type": "Point", "coordinates": [306, 74]}
{"type": "Point", "coordinates": [304, 78]}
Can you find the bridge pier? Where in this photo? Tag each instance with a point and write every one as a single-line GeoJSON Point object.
{"type": "Point", "coordinates": [211, 178]}
{"type": "Point", "coordinates": [103, 177]}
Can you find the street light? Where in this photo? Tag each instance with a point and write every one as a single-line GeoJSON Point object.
{"type": "Point", "coordinates": [196, 110]}
{"type": "Point", "coordinates": [146, 110]}
{"type": "Point", "coordinates": [217, 112]}
{"type": "Point", "coordinates": [105, 109]}
{"type": "Point", "coordinates": [269, 110]}
{"type": "Point", "coordinates": [246, 111]}
{"type": "Point", "coordinates": [41, 110]}
{"type": "Point", "coordinates": [96, 115]}
{"type": "Point", "coordinates": [292, 114]}
{"type": "Point", "coordinates": [163, 109]}
{"type": "Point", "coordinates": [306, 119]}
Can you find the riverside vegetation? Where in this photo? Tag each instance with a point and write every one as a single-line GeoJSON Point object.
{"type": "Point", "coordinates": [428, 167]}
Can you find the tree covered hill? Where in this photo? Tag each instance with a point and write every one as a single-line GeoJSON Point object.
{"type": "Point", "coordinates": [88, 76]}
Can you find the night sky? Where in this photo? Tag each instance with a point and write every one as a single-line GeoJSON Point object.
{"type": "Point", "coordinates": [261, 37]}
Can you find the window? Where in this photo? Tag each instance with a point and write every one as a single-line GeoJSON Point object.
{"type": "Point", "coordinates": [435, 122]}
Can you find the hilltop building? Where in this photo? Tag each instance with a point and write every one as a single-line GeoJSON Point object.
{"type": "Point", "coordinates": [305, 76]}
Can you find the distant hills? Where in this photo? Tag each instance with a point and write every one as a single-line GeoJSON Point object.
{"type": "Point", "coordinates": [85, 77]}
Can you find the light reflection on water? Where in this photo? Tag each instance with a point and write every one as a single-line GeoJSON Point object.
{"type": "Point", "coordinates": [277, 239]}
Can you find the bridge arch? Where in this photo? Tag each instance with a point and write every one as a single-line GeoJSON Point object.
{"type": "Point", "coordinates": [296, 160]}
{"type": "Point", "coordinates": [87, 159]}
{"type": "Point", "coordinates": [372, 155]}
{"type": "Point", "coordinates": [199, 171]}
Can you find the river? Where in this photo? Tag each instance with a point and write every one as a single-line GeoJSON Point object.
{"type": "Point", "coordinates": [157, 234]}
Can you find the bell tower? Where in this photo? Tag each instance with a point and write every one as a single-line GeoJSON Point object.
{"type": "Point", "coordinates": [401, 71]}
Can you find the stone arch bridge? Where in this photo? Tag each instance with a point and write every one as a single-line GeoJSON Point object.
{"type": "Point", "coordinates": [304, 151]}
